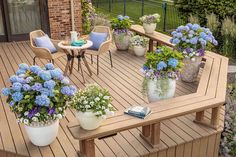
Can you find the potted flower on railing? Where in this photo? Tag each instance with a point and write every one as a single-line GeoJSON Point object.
{"type": "Point", "coordinates": [121, 33]}
{"type": "Point", "coordinates": [161, 70]}
{"type": "Point", "coordinates": [93, 105]}
{"type": "Point", "coordinates": [150, 22]}
{"type": "Point", "coordinates": [192, 40]}
{"type": "Point", "coordinates": [39, 98]}
{"type": "Point", "coordinates": [139, 44]}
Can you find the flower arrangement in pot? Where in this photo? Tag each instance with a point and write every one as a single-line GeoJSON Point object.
{"type": "Point", "coordinates": [93, 105]}
{"type": "Point", "coordinates": [161, 70]}
{"type": "Point", "coordinates": [192, 40]}
{"type": "Point", "coordinates": [38, 96]}
{"type": "Point", "coordinates": [122, 35]}
{"type": "Point", "coordinates": [139, 44]}
{"type": "Point", "coordinates": [150, 22]}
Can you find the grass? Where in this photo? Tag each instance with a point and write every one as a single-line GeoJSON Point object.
{"type": "Point", "coordinates": [134, 10]}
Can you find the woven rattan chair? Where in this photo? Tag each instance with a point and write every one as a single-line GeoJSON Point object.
{"type": "Point", "coordinates": [105, 46]}
{"type": "Point", "coordinates": [44, 53]}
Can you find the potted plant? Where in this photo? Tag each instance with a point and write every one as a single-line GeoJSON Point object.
{"type": "Point", "coordinates": [38, 97]}
{"type": "Point", "coordinates": [161, 70]}
{"type": "Point", "coordinates": [122, 35]}
{"type": "Point", "coordinates": [192, 40]}
{"type": "Point", "coordinates": [150, 22]}
{"type": "Point", "coordinates": [139, 44]}
{"type": "Point", "coordinates": [93, 104]}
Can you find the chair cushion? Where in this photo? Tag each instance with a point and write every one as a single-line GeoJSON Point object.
{"type": "Point", "coordinates": [45, 42]}
{"type": "Point", "coordinates": [97, 39]}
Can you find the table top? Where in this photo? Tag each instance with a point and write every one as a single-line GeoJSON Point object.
{"type": "Point", "coordinates": [69, 47]}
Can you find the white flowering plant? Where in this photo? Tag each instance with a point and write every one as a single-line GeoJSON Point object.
{"type": "Point", "coordinates": [149, 19]}
{"type": "Point", "coordinates": [93, 98]}
{"type": "Point", "coordinates": [139, 41]}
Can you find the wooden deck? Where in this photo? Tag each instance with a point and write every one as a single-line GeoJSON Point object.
{"type": "Point", "coordinates": [180, 137]}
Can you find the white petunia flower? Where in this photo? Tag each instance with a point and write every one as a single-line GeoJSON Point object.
{"type": "Point", "coordinates": [26, 121]}
{"type": "Point", "coordinates": [97, 99]}
{"type": "Point", "coordinates": [106, 97]}
{"type": "Point", "coordinates": [35, 119]}
{"type": "Point", "coordinates": [37, 114]}
{"type": "Point", "coordinates": [104, 116]}
{"type": "Point", "coordinates": [26, 113]}
{"type": "Point", "coordinates": [59, 116]}
{"type": "Point", "coordinates": [193, 59]}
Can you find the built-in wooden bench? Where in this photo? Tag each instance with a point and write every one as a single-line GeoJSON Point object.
{"type": "Point", "coordinates": [210, 94]}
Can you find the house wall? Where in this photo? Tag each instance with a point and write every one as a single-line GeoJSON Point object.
{"type": "Point", "coordinates": [60, 17]}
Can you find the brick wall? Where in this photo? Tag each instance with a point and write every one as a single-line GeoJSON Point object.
{"type": "Point", "coordinates": [60, 17]}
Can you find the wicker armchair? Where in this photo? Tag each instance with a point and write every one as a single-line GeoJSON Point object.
{"type": "Point", "coordinates": [44, 53]}
{"type": "Point", "coordinates": [105, 46]}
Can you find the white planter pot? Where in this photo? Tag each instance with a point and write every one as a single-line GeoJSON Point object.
{"type": "Point", "coordinates": [42, 134]}
{"type": "Point", "coordinates": [139, 50]}
{"type": "Point", "coordinates": [149, 28]}
{"type": "Point", "coordinates": [88, 120]}
{"type": "Point", "coordinates": [122, 41]}
{"type": "Point", "coordinates": [160, 89]}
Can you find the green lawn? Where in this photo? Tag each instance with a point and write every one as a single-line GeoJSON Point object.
{"type": "Point", "coordinates": [134, 10]}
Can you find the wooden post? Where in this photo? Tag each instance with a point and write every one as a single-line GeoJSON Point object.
{"type": "Point", "coordinates": [87, 148]}
{"type": "Point", "coordinates": [150, 45]}
{"type": "Point", "coordinates": [215, 117]}
{"type": "Point", "coordinates": [155, 134]}
{"type": "Point", "coordinates": [200, 116]}
{"type": "Point", "coordinates": [146, 130]}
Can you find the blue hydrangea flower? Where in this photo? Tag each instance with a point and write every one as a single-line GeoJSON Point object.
{"type": "Point", "coordinates": [19, 72]}
{"type": "Point", "coordinates": [120, 17]}
{"type": "Point", "coordinates": [65, 81]}
{"type": "Point", "coordinates": [191, 32]}
{"type": "Point", "coordinates": [21, 80]}
{"type": "Point", "coordinates": [202, 34]}
{"type": "Point", "coordinates": [190, 25]}
{"type": "Point", "coordinates": [173, 33]}
{"type": "Point", "coordinates": [35, 69]}
{"type": "Point", "coordinates": [56, 73]}
{"type": "Point", "coordinates": [195, 27]}
{"type": "Point", "coordinates": [6, 91]}
{"type": "Point", "coordinates": [29, 79]}
{"type": "Point", "coordinates": [42, 100]}
{"type": "Point", "coordinates": [173, 62]}
{"type": "Point", "coordinates": [68, 90]}
{"type": "Point", "coordinates": [45, 75]}
{"type": "Point", "coordinates": [145, 68]}
{"type": "Point", "coordinates": [49, 66]}
{"type": "Point", "coordinates": [14, 79]}
{"type": "Point", "coordinates": [37, 87]}
{"type": "Point", "coordinates": [17, 96]}
{"type": "Point", "coordinates": [161, 65]}
{"type": "Point", "coordinates": [176, 41]}
{"type": "Point", "coordinates": [26, 87]}
{"type": "Point", "coordinates": [126, 17]}
{"type": "Point", "coordinates": [17, 86]}
{"type": "Point", "coordinates": [47, 92]}
{"type": "Point", "coordinates": [179, 35]}
{"type": "Point", "coordinates": [49, 84]}
{"type": "Point", "coordinates": [158, 51]}
{"type": "Point", "coordinates": [215, 42]}
{"type": "Point", "coordinates": [12, 103]}
{"type": "Point", "coordinates": [194, 40]}
{"type": "Point", "coordinates": [23, 66]}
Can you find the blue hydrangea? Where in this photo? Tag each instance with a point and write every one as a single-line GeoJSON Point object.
{"type": "Point", "coordinates": [42, 100]}
{"type": "Point", "coordinates": [145, 68]}
{"type": "Point", "coordinates": [26, 87]}
{"type": "Point", "coordinates": [173, 62]}
{"type": "Point", "coordinates": [65, 81]}
{"type": "Point", "coordinates": [158, 51]}
{"type": "Point", "coordinates": [6, 91]}
{"type": "Point", "coordinates": [17, 96]}
{"type": "Point", "coordinates": [176, 41]}
{"type": "Point", "coordinates": [195, 27]}
{"type": "Point", "coordinates": [29, 79]}
{"type": "Point", "coordinates": [191, 32]}
{"type": "Point", "coordinates": [12, 103]}
{"type": "Point", "coordinates": [47, 92]}
{"type": "Point", "coordinates": [45, 75]}
{"type": "Point", "coordinates": [49, 66]}
{"type": "Point", "coordinates": [68, 90]}
{"type": "Point", "coordinates": [120, 17]}
{"type": "Point", "coordinates": [161, 65]}
{"type": "Point", "coordinates": [14, 79]}
{"type": "Point", "coordinates": [24, 66]}
{"type": "Point", "coordinates": [126, 17]}
{"type": "Point", "coordinates": [194, 40]}
{"type": "Point", "coordinates": [19, 72]}
{"type": "Point", "coordinates": [21, 80]}
{"type": "Point", "coordinates": [17, 86]}
{"type": "Point", "coordinates": [56, 73]}
{"type": "Point", "coordinates": [179, 35]}
{"type": "Point", "coordinates": [203, 34]}
{"type": "Point", "coordinates": [49, 84]}
{"type": "Point", "coordinates": [35, 69]}
{"type": "Point", "coordinates": [37, 87]}
{"type": "Point", "coordinates": [215, 42]}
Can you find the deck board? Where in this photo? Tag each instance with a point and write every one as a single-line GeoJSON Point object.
{"type": "Point", "coordinates": [124, 81]}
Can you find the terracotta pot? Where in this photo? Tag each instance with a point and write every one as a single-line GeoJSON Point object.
{"type": "Point", "coordinates": [190, 70]}
{"type": "Point", "coordinates": [42, 134]}
{"type": "Point", "coordinates": [149, 28]}
{"type": "Point", "coordinates": [88, 120]}
{"type": "Point", "coordinates": [139, 50]}
{"type": "Point", "coordinates": [160, 89]}
{"type": "Point", "coordinates": [122, 41]}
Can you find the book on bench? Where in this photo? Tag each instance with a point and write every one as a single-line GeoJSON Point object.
{"type": "Point", "coordinates": [138, 111]}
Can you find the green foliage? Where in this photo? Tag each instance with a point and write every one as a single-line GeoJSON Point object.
{"type": "Point", "coordinates": [121, 22]}
{"type": "Point", "coordinates": [88, 13]}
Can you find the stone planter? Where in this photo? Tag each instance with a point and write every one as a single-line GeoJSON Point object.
{"type": "Point", "coordinates": [190, 70]}
{"type": "Point", "coordinates": [42, 134]}
{"type": "Point", "coordinates": [160, 89]}
{"type": "Point", "coordinates": [88, 120]}
{"type": "Point", "coordinates": [149, 28]}
{"type": "Point", "coordinates": [122, 41]}
{"type": "Point", "coordinates": [139, 50]}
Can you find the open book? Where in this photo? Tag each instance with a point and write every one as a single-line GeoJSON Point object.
{"type": "Point", "coordinates": [138, 111]}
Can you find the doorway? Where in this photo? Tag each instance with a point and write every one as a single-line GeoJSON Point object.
{"type": "Point", "coordinates": [19, 17]}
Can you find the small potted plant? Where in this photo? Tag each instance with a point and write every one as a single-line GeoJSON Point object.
{"type": "Point", "coordinates": [192, 40]}
{"type": "Point", "coordinates": [139, 44]}
{"type": "Point", "coordinates": [39, 98]}
{"type": "Point", "coordinates": [122, 35]}
{"type": "Point", "coordinates": [150, 22]}
{"type": "Point", "coordinates": [93, 104]}
{"type": "Point", "coordinates": [161, 70]}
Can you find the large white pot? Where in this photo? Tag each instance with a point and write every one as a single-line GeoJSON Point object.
{"type": "Point", "coordinates": [149, 28]}
{"type": "Point", "coordinates": [139, 50]}
{"type": "Point", "coordinates": [88, 120]}
{"type": "Point", "coordinates": [122, 41]}
{"type": "Point", "coordinates": [159, 89]}
{"type": "Point", "coordinates": [42, 134]}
